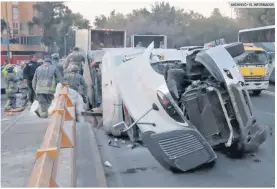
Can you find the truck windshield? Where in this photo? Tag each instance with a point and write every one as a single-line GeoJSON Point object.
{"type": "Point", "coordinates": [252, 57]}
{"type": "Point", "coordinates": [163, 66]}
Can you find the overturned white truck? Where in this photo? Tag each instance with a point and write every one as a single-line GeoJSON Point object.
{"type": "Point", "coordinates": [180, 110]}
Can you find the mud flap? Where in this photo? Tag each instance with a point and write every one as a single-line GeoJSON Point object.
{"type": "Point", "coordinates": [182, 150]}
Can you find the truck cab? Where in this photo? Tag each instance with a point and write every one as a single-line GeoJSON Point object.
{"type": "Point", "coordinates": [253, 65]}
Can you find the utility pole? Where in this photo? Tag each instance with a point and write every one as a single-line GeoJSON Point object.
{"type": "Point", "coordinates": [65, 44]}
{"type": "Point", "coordinates": [8, 29]}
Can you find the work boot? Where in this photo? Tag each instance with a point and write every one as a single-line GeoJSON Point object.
{"type": "Point", "coordinates": [44, 111]}
{"type": "Point", "coordinates": [44, 115]}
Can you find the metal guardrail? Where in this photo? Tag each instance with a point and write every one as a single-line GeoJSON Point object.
{"type": "Point", "coordinates": [45, 169]}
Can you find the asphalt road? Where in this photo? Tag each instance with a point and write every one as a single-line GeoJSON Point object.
{"type": "Point", "coordinates": [137, 168]}
{"type": "Point", "coordinates": [21, 136]}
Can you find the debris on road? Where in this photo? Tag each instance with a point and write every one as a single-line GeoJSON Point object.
{"type": "Point", "coordinates": [113, 144]}
{"type": "Point", "coordinates": [108, 164]}
{"type": "Point", "coordinates": [253, 155]}
{"type": "Point", "coordinates": [257, 160]}
{"type": "Point", "coordinates": [132, 146]}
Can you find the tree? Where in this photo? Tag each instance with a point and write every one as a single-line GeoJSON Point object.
{"type": "Point", "coordinates": [4, 25]}
{"type": "Point", "coordinates": [180, 27]}
{"type": "Point", "coordinates": [57, 20]}
{"type": "Point", "coordinates": [249, 18]}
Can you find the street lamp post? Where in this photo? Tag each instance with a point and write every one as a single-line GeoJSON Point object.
{"type": "Point", "coordinates": [65, 44]}
{"type": "Point", "coordinates": [8, 29]}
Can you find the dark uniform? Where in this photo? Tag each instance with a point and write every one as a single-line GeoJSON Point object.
{"type": "Point", "coordinates": [76, 81]}
{"type": "Point", "coordinates": [44, 83]}
{"type": "Point", "coordinates": [77, 58]}
{"type": "Point", "coordinates": [28, 74]}
{"type": "Point", "coordinates": [11, 80]}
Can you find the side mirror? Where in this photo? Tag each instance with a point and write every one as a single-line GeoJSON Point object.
{"type": "Point", "coordinates": [155, 107]}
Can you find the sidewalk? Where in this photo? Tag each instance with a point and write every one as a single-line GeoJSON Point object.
{"type": "Point", "coordinates": [21, 137]}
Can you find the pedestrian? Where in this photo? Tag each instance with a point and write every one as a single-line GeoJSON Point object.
{"type": "Point", "coordinates": [76, 57]}
{"type": "Point", "coordinates": [23, 87]}
{"type": "Point", "coordinates": [44, 83]}
{"type": "Point", "coordinates": [76, 81]}
{"type": "Point", "coordinates": [28, 75]}
{"type": "Point", "coordinates": [11, 80]}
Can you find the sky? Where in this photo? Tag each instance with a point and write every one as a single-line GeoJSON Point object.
{"type": "Point", "coordinates": [92, 8]}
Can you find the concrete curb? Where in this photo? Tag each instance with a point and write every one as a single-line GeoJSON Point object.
{"type": "Point", "coordinates": [100, 173]}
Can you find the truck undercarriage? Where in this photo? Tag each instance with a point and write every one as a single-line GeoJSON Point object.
{"type": "Point", "coordinates": [199, 105]}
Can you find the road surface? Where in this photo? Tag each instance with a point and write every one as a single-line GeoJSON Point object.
{"type": "Point", "coordinates": [137, 168]}
{"type": "Point", "coordinates": [21, 136]}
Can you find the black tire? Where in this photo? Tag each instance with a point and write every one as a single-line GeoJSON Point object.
{"type": "Point", "coordinates": [133, 132]}
{"type": "Point", "coordinates": [257, 92]}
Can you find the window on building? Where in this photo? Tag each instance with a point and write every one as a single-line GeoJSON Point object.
{"type": "Point", "coordinates": [15, 13]}
{"type": "Point", "coordinates": [15, 3]}
{"type": "Point", "coordinates": [15, 28]}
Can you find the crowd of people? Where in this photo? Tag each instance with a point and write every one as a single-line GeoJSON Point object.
{"type": "Point", "coordinates": [37, 79]}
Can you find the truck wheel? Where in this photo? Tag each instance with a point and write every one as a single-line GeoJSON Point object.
{"type": "Point", "coordinates": [257, 92]}
{"type": "Point", "coordinates": [132, 133]}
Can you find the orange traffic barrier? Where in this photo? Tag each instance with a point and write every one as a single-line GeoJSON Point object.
{"type": "Point", "coordinates": [45, 169]}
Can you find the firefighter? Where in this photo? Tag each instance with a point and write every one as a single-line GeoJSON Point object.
{"type": "Point", "coordinates": [55, 59]}
{"type": "Point", "coordinates": [57, 62]}
{"type": "Point", "coordinates": [76, 81]}
{"type": "Point", "coordinates": [11, 80]}
{"type": "Point", "coordinates": [23, 87]}
{"type": "Point", "coordinates": [4, 67]}
{"type": "Point", "coordinates": [44, 83]}
{"type": "Point", "coordinates": [76, 57]}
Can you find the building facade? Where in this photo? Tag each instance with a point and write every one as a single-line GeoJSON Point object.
{"type": "Point", "coordinates": [26, 37]}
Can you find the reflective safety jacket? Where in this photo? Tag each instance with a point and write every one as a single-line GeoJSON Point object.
{"type": "Point", "coordinates": [46, 78]}
{"type": "Point", "coordinates": [76, 82]}
{"type": "Point", "coordinates": [4, 70]}
{"type": "Point", "coordinates": [76, 58]}
{"type": "Point", "coordinates": [11, 82]}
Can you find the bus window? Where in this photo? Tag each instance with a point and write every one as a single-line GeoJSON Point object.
{"type": "Point", "coordinates": [257, 36]}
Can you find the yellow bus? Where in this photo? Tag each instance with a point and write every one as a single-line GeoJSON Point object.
{"type": "Point", "coordinates": [253, 64]}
